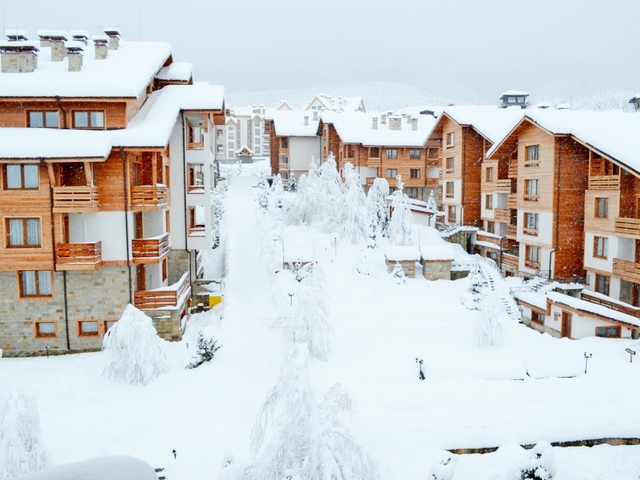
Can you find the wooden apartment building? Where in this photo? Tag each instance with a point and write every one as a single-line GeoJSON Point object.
{"type": "Point", "coordinates": [106, 171]}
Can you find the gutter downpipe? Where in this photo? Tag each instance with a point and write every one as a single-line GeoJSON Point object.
{"type": "Point", "coordinates": [64, 114]}
{"type": "Point", "coordinates": [126, 219]}
{"type": "Point", "coordinates": [184, 195]}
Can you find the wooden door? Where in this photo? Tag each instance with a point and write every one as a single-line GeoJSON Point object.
{"type": "Point", "coordinates": [137, 225]}
{"type": "Point", "coordinates": [566, 324]}
{"type": "Point", "coordinates": [140, 278]}
{"type": "Point", "coordinates": [65, 228]}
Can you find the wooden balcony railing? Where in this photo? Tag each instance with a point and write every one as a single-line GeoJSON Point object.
{"type": "Point", "coordinates": [513, 169]}
{"type": "Point", "coordinates": [604, 182]}
{"type": "Point", "coordinates": [150, 250]}
{"type": "Point", "coordinates": [195, 145]}
{"type": "Point", "coordinates": [79, 256]}
{"type": "Point", "coordinates": [512, 200]}
{"type": "Point", "coordinates": [488, 239]}
{"type": "Point", "coordinates": [163, 297]}
{"type": "Point", "coordinates": [503, 186]}
{"type": "Point", "coordinates": [626, 270]}
{"type": "Point", "coordinates": [627, 226]}
{"type": "Point", "coordinates": [613, 305]}
{"type": "Point", "coordinates": [509, 260]}
{"type": "Point", "coordinates": [75, 199]}
{"type": "Point", "coordinates": [512, 231]}
{"type": "Point", "coordinates": [374, 162]}
{"type": "Point", "coordinates": [502, 215]}
{"type": "Point", "coordinates": [532, 264]}
{"type": "Point", "coordinates": [149, 196]}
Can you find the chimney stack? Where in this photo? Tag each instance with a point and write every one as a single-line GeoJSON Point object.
{"type": "Point", "coordinates": [114, 37]}
{"type": "Point", "coordinates": [395, 123]}
{"type": "Point", "coordinates": [306, 119]}
{"type": "Point", "coordinates": [18, 56]}
{"type": "Point", "coordinates": [75, 49]}
{"type": "Point", "coordinates": [80, 36]}
{"type": "Point", "coordinates": [374, 123]}
{"type": "Point", "coordinates": [414, 124]}
{"type": "Point", "coordinates": [101, 43]}
{"type": "Point", "coordinates": [16, 35]}
{"type": "Point", "coordinates": [383, 119]}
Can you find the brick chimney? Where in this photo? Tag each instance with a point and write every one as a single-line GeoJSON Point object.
{"type": "Point", "coordinates": [114, 37]}
{"type": "Point", "coordinates": [101, 43]}
{"type": "Point", "coordinates": [395, 123]}
{"type": "Point", "coordinates": [75, 50]}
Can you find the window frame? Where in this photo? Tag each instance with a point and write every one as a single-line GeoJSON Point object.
{"type": "Point", "coordinates": [532, 260]}
{"type": "Point", "coordinates": [39, 334]}
{"type": "Point", "coordinates": [90, 125]}
{"type": "Point", "coordinates": [537, 317]}
{"type": "Point", "coordinates": [450, 165]}
{"type": "Point", "coordinates": [489, 175]}
{"type": "Point", "coordinates": [450, 189]}
{"type": "Point", "coordinates": [529, 195]}
{"type": "Point", "coordinates": [37, 282]}
{"type": "Point", "coordinates": [23, 177]}
{"type": "Point", "coordinates": [414, 173]}
{"type": "Point", "coordinates": [391, 153]}
{"type": "Point", "coordinates": [393, 175]}
{"type": "Point", "coordinates": [450, 139]}
{"type": "Point", "coordinates": [25, 233]}
{"type": "Point", "coordinates": [607, 330]}
{"type": "Point", "coordinates": [532, 156]}
{"type": "Point", "coordinates": [531, 224]}
{"type": "Point", "coordinates": [601, 247]}
{"type": "Point", "coordinates": [43, 115]}
{"type": "Point", "coordinates": [452, 213]}
{"type": "Point", "coordinates": [89, 333]}
{"type": "Point", "coordinates": [415, 154]}
{"type": "Point", "coordinates": [488, 201]}
{"type": "Point", "coordinates": [602, 284]}
{"type": "Point", "coordinates": [601, 206]}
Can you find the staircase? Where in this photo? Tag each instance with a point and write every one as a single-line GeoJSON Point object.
{"type": "Point", "coordinates": [496, 283]}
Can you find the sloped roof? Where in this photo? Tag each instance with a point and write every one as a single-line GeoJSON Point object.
{"type": "Point", "coordinates": [490, 121]}
{"type": "Point", "coordinates": [290, 123]}
{"type": "Point", "coordinates": [177, 71]}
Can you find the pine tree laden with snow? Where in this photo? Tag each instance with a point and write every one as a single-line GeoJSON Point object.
{"type": "Point", "coordinates": [263, 192]}
{"type": "Point", "coordinates": [291, 185]}
{"type": "Point", "coordinates": [432, 206]}
{"type": "Point", "coordinates": [540, 464]}
{"type": "Point", "coordinates": [354, 226]}
{"type": "Point", "coordinates": [21, 447]}
{"type": "Point", "coordinates": [378, 210]}
{"type": "Point", "coordinates": [329, 197]}
{"type": "Point", "coordinates": [445, 469]}
{"type": "Point", "coordinates": [207, 348]}
{"type": "Point", "coordinates": [401, 225]}
{"type": "Point", "coordinates": [398, 274]}
{"type": "Point", "coordinates": [489, 331]}
{"type": "Point", "coordinates": [295, 438]}
{"type": "Point", "coordinates": [135, 354]}
{"type": "Point", "coordinates": [474, 294]}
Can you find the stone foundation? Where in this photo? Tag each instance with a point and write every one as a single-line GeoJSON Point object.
{"type": "Point", "coordinates": [436, 270]}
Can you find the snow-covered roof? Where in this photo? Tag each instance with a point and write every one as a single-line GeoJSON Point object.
{"type": "Point", "coordinates": [512, 93]}
{"type": "Point", "coordinates": [441, 251]}
{"type": "Point", "coordinates": [244, 150]}
{"type": "Point", "coordinates": [177, 71]}
{"type": "Point", "coordinates": [123, 74]}
{"type": "Point", "coordinates": [16, 32]}
{"type": "Point", "coordinates": [402, 253]}
{"type": "Point", "coordinates": [48, 33]}
{"type": "Point", "coordinates": [36, 143]}
{"type": "Point", "coordinates": [490, 121]}
{"type": "Point", "coordinates": [357, 127]}
{"type": "Point", "coordinates": [613, 133]}
{"type": "Point", "coordinates": [291, 123]}
{"type": "Point", "coordinates": [80, 34]}
{"type": "Point", "coordinates": [346, 104]}
{"type": "Point", "coordinates": [103, 468]}
{"type": "Point", "coordinates": [589, 307]}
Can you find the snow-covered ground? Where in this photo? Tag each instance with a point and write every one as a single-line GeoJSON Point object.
{"type": "Point", "coordinates": [532, 388]}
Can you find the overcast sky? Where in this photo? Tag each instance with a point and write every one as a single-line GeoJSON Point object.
{"type": "Point", "coordinates": [464, 49]}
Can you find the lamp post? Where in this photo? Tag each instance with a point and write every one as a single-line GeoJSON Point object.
{"type": "Point", "coordinates": [587, 356]}
{"type": "Point", "coordinates": [501, 239]}
{"type": "Point", "coordinates": [291, 294]}
{"type": "Point", "coordinates": [421, 374]}
{"type": "Point", "coordinates": [47, 348]}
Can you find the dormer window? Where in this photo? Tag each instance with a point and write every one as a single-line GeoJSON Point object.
{"type": "Point", "coordinates": [43, 119]}
{"type": "Point", "coordinates": [88, 120]}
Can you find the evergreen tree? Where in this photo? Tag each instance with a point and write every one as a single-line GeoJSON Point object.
{"type": "Point", "coordinates": [398, 274]}
{"type": "Point", "coordinates": [401, 225]}
{"type": "Point", "coordinates": [263, 192]}
{"type": "Point", "coordinates": [378, 210]}
{"type": "Point", "coordinates": [329, 195]}
{"type": "Point", "coordinates": [539, 465]}
{"type": "Point", "coordinates": [207, 347]}
{"type": "Point", "coordinates": [432, 206]}
{"type": "Point", "coordinates": [354, 226]}
{"type": "Point", "coordinates": [489, 331]}
{"type": "Point", "coordinates": [291, 186]}
{"type": "Point", "coordinates": [474, 294]}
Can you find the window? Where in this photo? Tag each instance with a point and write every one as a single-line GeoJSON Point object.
{"type": "Point", "coordinates": [600, 247]}
{"type": "Point", "coordinates": [351, 152]}
{"type": "Point", "coordinates": [256, 131]}
{"type": "Point", "coordinates": [284, 159]}
{"type": "Point", "coordinates": [537, 318]}
{"type": "Point", "coordinates": [88, 328]}
{"type": "Point", "coordinates": [488, 202]}
{"type": "Point", "coordinates": [230, 134]}
{"type": "Point", "coordinates": [491, 227]}
{"type": "Point", "coordinates": [532, 159]}
{"type": "Point", "coordinates": [374, 152]}
{"type": "Point", "coordinates": [196, 177]}
{"type": "Point", "coordinates": [411, 192]}
{"type": "Point", "coordinates": [432, 152]}
{"type": "Point", "coordinates": [609, 332]}
{"type": "Point", "coordinates": [23, 232]}
{"type": "Point", "coordinates": [107, 324]}
{"type": "Point", "coordinates": [530, 224]}
{"type": "Point", "coordinates": [532, 259]}
{"type": "Point", "coordinates": [602, 207]}
{"type": "Point", "coordinates": [256, 122]}
{"type": "Point", "coordinates": [219, 133]}
{"type": "Point", "coordinates": [88, 119]}
{"type": "Point", "coordinates": [35, 283]}
{"type": "Point", "coordinates": [602, 284]}
{"type": "Point", "coordinates": [219, 149]}
{"type": "Point", "coordinates": [414, 173]}
{"type": "Point", "coordinates": [489, 174]}
{"type": "Point", "coordinates": [392, 154]}
{"type": "Point", "coordinates": [451, 139]}
{"type": "Point", "coordinates": [256, 150]}
{"type": "Point", "coordinates": [392, 172]}
{"type": "Point", "coordinates": [531, 190]}
{"type": "Point", "coordinates": [449, 189]}
{"type": "Point", "coordinates": [230, 154]}
{"type": "Point", "coordinates": [284, 142]}
{"type": "Point", "coordinates": [43, 119]}
{"type": "Point", "coordinates": [414, 154]}
{"type": "Point", "coordinates": [450, 164]}
{"type": "Point", "coordinates": [451, 213]}
{"type": "Point", "coordinates": [21, 176]}
{"type": "Point", "coordinates": [45, 329]}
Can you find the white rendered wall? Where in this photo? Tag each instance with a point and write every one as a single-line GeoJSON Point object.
{"type": "Point", "coordinates": [107, 227]}
{"type": "Point", "coordinates": [301, 149]}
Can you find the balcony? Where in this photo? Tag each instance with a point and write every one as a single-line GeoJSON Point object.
{"type": "Point", "coordinates": [626, 270]}
{"type": "Point", "coordinates": [78, 256]}
{"type": "Point", "coordinates": [150, 250]}
{"type": "Point", "coordinates": [531, 264]}
{"type": "Point", "coordinates": [75, 199]}
{"type": "Point", "coordinates": [512, 231]}
{"type": "Point", "coordinates": [612, 304]}
{"type": "Point", "coordinates": [604, 182]}
{"type": "Point", "coordinates": [512, 201]}
{"type": "Point", "coordinates": [149, 197]}
{"type": "Point", "coordinates": [509, 260]}
{"type": "Point", "coordinates": [164, 297]}
{"type": "Point", "coordinates": [513, 169]}
{"type": "Point", "coordinates": [503, 186]}
{"type": "Point", "coordinates": [480, 237]}
{"type": "Point", "coordinates": [627, 226]}
{"type": "Point", "coordinates": [374, 162]}
{"type": "Point", "coordinates": [502, 215]}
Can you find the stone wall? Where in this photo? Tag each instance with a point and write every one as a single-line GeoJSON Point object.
{"type": "Point", "coordinates": [436, 270]}
{"type": "Point", "coordinates": [177, 264]}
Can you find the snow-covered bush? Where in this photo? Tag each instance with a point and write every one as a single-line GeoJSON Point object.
{"type": "Point", "coordinates": [474, 294]}
{"type": "Point", "coordinates": [354, 220]}
{"type": "Point", "coordinates": [291, 185]}
{"type": "Point", "coordinates": [263, 192]}
{"type": "Point", "coordinates": [398, 274]}
{"type": "Point", "coordinates": [21, 448]}
{"type": "Point", "coordinates": [539, 465]}
{"type": "Point", "coordinates": [378, 211]}
{"type": "Point", "coordinates": [401, 225]}
{"type": "Point", "coordinates": [432, 206]}
{"type": "Point", "coordinates": [295, 438]}
{"type": "Point", "coordinates": [309, 322]}
{"type": "Point", "coordinates": [489, 331]}
{"type": "Point", "coordinates": [135, 353]}
{"type": "Point", "coordinates": [275, 194]}
{"type": "Point", "coordinates": [207, 348]}
{"type": "Point", "coordinates": [219, 197]}
{"type": "Point", "coordinates": [445, 469]}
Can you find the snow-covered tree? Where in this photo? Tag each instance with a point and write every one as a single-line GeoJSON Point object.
{"type": "Point", "coordinates": [540, 464]}
{"type": "Point", "coordinates": [309, 321]}
{"type": "Point", "coordinates": [474, 294]}
{"type": "Point", "coordinates": [378, 210]}
{"type": "Point", "coordinates": [291, 185]}
{"type": "Point", "coordinates": [489, 331]}
{"type": "Point", "coordinates": [401, 225]}
{"type": "Point", "coordinates": [398, 274]}
{"type": "Point", "coordinates": [21, 447]}
{"type": "Point", "coordinates": [219, 197]}
{"type": "Point", "coordinates": [135, 353]}
{"type": "Point", "coordinates": [275, 194]}
{"type": "Point", "coordinates": [445, 469]}
{"type": "Point", "coordinates": [263, 192]}
{"type": "Point", "coordinates": [432, 206]}
{"type": "Point", "coordinates": [295, 438]}
{"type": "Point", "coordinates": [206, 349]}
{"type": "Point", "coordinates": [329, 195]}
{"type": "Point", "coordinates": [354, 222]}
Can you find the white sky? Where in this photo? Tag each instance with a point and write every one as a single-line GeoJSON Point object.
{"type": "Point", "coordinates": [465, 49]}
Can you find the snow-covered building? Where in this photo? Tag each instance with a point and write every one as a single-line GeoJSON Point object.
{"type": "Point", "coordinates": [244, 130]}
{"type": "Point", "coordinates": [107, 173]}
{"type": "Point", "coordinates": [635, 101]}
{"type": "Point", "coordinates": [335, 104]}
{"type": "Point", "coordinates": [384, 145]}
{"type": "Point", "coordinates": [514, 98]}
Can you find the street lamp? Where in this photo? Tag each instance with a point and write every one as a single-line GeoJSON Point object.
{"type": "Point", "coordinates": [291, 298]}
{"type": "Point", "coordinates": [587, 356]}
{"type": "Point", "coordinates": [421, 374]}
